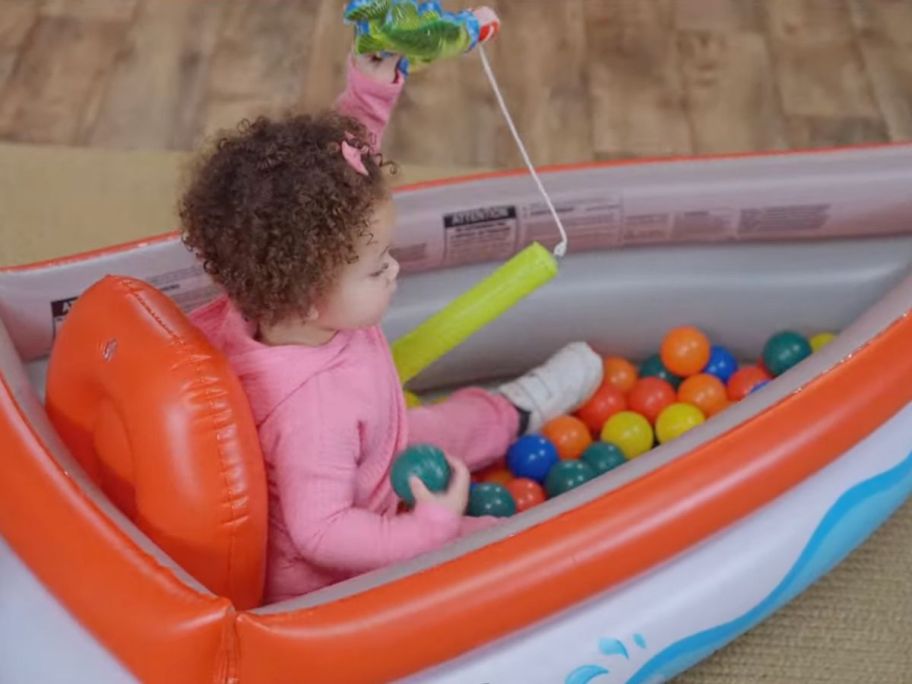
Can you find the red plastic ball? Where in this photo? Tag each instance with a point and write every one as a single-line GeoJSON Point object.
{"type": "Point", "coordinates": [526, 493]}
{"type": "Point", "coordinates": [744, 380]}
{"type": "Point", "coordinates": [606, 401]}
{"type": "Point", "coordinates": [569, 434]}
{"type": "Point", "coordinates": [685, 351]}
{"type": "Point", "coordinates": [649, 396]}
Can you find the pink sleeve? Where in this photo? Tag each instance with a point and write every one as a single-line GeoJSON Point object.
{"type": "Point", "coordinates": [314, 453]}
{"type": "Point", "coordinates": [473, 425]}
{"type": "Point", "coordinates": [370, 102]}
{"type": "Point", "coordinates": [470, 525]}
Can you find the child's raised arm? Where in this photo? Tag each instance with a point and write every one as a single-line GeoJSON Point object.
{"type": "Point", "coordinates": [372, 89]}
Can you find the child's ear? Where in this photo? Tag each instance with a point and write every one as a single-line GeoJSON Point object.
{"type": "Point", "coordinates": [312, 313]}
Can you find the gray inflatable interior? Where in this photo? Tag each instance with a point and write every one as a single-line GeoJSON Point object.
{"type": "Point", "coordinates": [623, 301]}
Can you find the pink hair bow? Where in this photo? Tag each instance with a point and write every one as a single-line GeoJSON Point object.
{"type": "Point", "coordinates": [354, 157]}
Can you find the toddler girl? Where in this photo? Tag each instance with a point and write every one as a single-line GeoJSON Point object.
{"type": "Point", "coordinates": [293, 219]}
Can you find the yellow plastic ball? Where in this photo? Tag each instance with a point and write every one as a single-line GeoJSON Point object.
{"type": "Point", "coordinates": [676, 419]}
{"type": "Point", "coordinates": [630, 432]}
{"type": "Point", "coordinates": [820, 340]}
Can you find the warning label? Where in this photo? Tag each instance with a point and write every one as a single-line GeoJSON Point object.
{"type": "Point", "coordinates": [480, 234]}
{"type": "Point", "coordinates": [703, 224]}
{"type": "Point", "coordinates": [592, 222]}
{"type": "Point", "coordinates": [796, 218]}
{"type": "Point", "coordinates": [189, 287]}
{"type": "Point", "coordinates": [59, 309]}
{"type": "Point", "coordinates": [646, 227]}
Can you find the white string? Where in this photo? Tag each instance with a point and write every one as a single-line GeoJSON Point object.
{"type": "Point", "coordinates": [561, 248]}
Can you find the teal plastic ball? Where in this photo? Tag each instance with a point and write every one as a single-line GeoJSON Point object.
{"type": "Point", "coordinates": [784, 350]}
{"type": "Point", "coordinates": [603, 456]}
{"type": "Point", "coordinates": [425, 462]}
{"type": "Point", "coordinates": [654, 368]}
{"type": "Point", "coordinates": [565, 475]}
{"type": "Point", "coordinates": [490, 498]}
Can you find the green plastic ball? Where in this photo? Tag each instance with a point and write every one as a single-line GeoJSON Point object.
{"type": "Point", "coordinates": [784, 350]}
{"type": "Point", "coordinates": [424, 461]}
{"type": "Point", "coordinates": [654, 368]}
{"type": "Point", "coordinates": [490, 498]}
{"type": "Point", "coordinates": [565, 475]}
{"type": "Point", "coordinates": [603, 456]}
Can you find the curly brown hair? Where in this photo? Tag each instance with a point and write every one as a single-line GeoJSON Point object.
{"type": "Point", "coordinates": [274, 211]}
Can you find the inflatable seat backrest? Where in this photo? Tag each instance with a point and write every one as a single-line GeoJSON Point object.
{"type": "Point", "coordinates": [159, 421]}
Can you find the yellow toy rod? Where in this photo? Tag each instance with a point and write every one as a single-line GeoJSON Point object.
{"type": "Point", "coordinates": [471, 311]}
{"type": "Point", "coordinates": [467, 314]}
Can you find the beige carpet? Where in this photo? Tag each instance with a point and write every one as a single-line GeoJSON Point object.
{"type": "Point", "coordinates": [56, 201]}
{"type": "Point", "coordinates": [853, 627]}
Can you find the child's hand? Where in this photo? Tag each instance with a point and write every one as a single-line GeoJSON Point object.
{"type": "Point", "coordinates": [380, 68]}
{"type": "Point", "coordinates": [456, 497]}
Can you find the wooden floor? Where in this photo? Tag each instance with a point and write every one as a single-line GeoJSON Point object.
{"type": "Point", "coordinates": [586, 79]}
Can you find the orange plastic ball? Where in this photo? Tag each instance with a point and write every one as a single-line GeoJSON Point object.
{"type": "Point", "coordinates": [649, 396]}
{"type": "Point", "coordinates": [620, 373]}
{"type": "Point", "coordinates": [704, 391]}
{"type": "Point", "coordinates": [569, 434]}
{"type": "Point", "coordinates": [606, 401]}
{"type": "Point", "coordinates": [526, 493]}
{"type": "Point", "coordinates": [497, 473]}
{"type": "Point", "coordinates": [744, 380]}
{"type": "Point", "coordinates": [685, 351]}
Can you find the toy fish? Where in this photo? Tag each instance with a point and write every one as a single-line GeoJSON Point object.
{"type": "Point", "coordinates": [422, 32]}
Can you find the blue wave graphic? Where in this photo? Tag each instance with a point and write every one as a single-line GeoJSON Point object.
{"type": "Point", "coordinates": [854, 516]}
{"type": "Point", "coordinates": [613, 647]}
{"type": "Point", "coordinates": [585, 674]}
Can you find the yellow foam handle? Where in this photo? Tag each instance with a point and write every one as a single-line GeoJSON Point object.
{"type": "Point", "coordinates": [472, 310]}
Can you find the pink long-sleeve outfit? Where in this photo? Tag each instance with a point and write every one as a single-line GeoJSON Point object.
{"type": "Point", "coordinates": [331, 420]}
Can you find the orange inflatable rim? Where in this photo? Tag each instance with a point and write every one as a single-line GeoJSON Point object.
{"type": "Point", "coordinates": [470, 600]}
{"type": "Point", "coordinates": [476, 598]}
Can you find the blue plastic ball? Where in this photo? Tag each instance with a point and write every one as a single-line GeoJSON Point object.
{"type": "Point", "coordinates": [722, 363]}
{"type": "Point", "coordinates": [531, 456]}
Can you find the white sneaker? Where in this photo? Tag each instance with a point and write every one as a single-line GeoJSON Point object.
{"type": "Point", "coordinates": [560, 385]}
